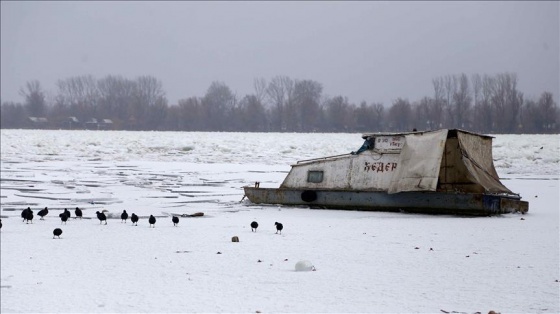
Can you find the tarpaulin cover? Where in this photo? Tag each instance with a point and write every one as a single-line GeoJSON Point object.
{"type": "Point", "coordinates": [477, 157]}
{"type": "Point", "coordinates": [419, 163]}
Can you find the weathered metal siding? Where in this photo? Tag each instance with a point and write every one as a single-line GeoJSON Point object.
{"type": "Point", "coordinates": [335, 174]}
{"type": "Point", "coordinates": [366, 171]}
{"type": "Point", "coordinates": [373, 172]}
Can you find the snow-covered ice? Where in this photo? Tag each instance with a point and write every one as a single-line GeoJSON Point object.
{"type": "Point", "coordinates": [365, 262]}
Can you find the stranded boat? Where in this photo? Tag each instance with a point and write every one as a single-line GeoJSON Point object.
{"type": "Point", "coordinates": [447, 171]}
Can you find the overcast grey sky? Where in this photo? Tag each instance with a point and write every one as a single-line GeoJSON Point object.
{"type": "Point", "coordinates": [372, 51]}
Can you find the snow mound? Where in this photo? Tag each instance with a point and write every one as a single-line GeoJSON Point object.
{"type": "Point", "coordinates": [304, 266]}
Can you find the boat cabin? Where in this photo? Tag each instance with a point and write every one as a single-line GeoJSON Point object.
{"type": "Point", "coordinates": [444, 161]}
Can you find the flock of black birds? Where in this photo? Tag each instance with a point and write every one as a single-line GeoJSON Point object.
{"type": "Point", "coordinates": [27, 215]}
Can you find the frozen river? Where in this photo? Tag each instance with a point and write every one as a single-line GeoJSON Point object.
{"type": "Point", "coordinates": [366, 262]}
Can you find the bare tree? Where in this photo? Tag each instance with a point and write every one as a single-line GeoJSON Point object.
{"type": "Point", "coordinates": [476, 83]}
{"type": "Point", "coordinates": [116, 96]}
{"type": "Point", "coordinates": [532, 119]}
{"type": "Point", "coordinates": [448, 88]}
{"type": "Point", "coordinates": [437, 107]}
{"type": "Point", "coordinates": [217, 104]}
{"type": "Point", "coordinates": [400, 115]}
{"type": "Point", "coordinates": [149, 101]}
{"type": "Point", "coordinates": [422, 114]}
{"type": "Point", "coordinates": [338, 117]}
{"type": "Point", "coordinates": [507, 101]}
{"type": "Point", "coordinates": [80, 93]}
{"type": "Point", "coordinates": [378, 116]}
{"type": "Point", "coordinates": [280, 92]}
{"type": "Point", "coordinates": [191, 115]}
{"type": "Point", "coordinates": [251, 115]}
{"type": "Point", "coordinates": [34, 96]}
{"type": "Point", "coordinates": [483, 112]}
{"type": "Point", "coordinates": [461, 101]}
{"type": "Point", "coordinates": [549, 111]}
{"type": "Point", "coordinates": [307, 95]}
{"type": "Point", "coordinates": [260, 89]}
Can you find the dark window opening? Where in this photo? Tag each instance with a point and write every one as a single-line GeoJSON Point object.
{"type": "Point", "coordinates": [315, 176]}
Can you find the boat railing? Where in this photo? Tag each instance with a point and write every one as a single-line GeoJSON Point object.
{"type": "Point", "coordinates": [321, 158]}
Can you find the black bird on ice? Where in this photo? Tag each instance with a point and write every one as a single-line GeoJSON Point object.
{"type": "Point", "coordinates": [29, 216]}
{"type": "Point", "coordinates": [152, 220]}
{"type": "Point", "coordinates": [43, 212]}
{"type": "Point", "coordinates": [101, 217]}
{"type": "Point", "coordinates": [63, 217]}
{"type": "Point", "coordinates": [78, 213]}
{"type": "Point", "coordinates": [134, 219]}
{"type": "Point", "coordinates": [254, 226]}
{"type": "Point", "coordinates": [279, 227]}
{"type": "Point", "coordinates": [24, 213]}
{"type": "Point", "coordinates": [175, 220]}
{"type": "Point", "coordinates": [57, 232]}
{"type": "Point", "coordinates": [124, 216]}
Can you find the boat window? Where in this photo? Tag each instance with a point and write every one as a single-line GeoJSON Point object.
{"type": "Point", "coordinates": [315, 176]}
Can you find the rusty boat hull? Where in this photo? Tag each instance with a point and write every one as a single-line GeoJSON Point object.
{"type": "Point", "coordinates": [469, 204]}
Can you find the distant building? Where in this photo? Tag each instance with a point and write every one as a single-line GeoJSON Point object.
{"type": "Point", "coordinates": [105, 124]}
{"type": "Point", "coordinates": [38, 122]}
{"type": "Point", "coordinates": [101, 124]}
{"type": "Point", "coordinates": [91, 124]}
{"type": "Point", "coordinates": [71, 123]}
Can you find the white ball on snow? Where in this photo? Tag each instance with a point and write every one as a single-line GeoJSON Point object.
{"type": "Point", "coordinates": [304, 266]}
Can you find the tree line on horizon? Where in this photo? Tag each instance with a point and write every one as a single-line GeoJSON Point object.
{"type": "Point", "coordinates": [482, 103]}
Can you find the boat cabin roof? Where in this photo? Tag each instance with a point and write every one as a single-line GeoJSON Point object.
{"type": "Point", "coordinates": [451, 133]}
